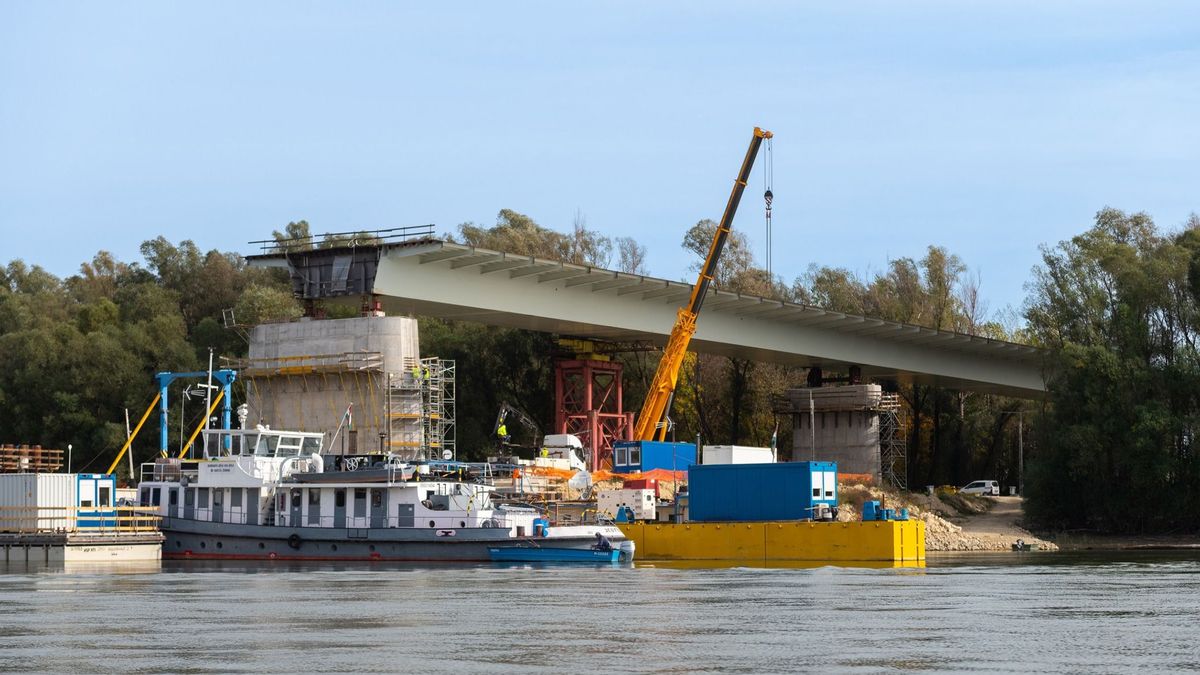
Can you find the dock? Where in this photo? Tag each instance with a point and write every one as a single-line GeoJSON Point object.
{"type": "Point", "coordinates": [61, 534]}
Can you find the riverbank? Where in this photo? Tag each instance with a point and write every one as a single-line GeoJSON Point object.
{"type": "Point", "coordinates": [953, 522]}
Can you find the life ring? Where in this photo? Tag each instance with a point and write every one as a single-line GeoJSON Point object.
{"type": "Point", "coordinates": [294, 541]}
{"type": "Point", "coordinates": [486, 523]}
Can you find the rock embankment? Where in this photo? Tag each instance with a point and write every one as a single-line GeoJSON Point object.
{"type": "Point", "coordinates": [953, 522]}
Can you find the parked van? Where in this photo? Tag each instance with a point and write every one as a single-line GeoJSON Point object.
{"type": "Point", "coordinates": [982, 487]}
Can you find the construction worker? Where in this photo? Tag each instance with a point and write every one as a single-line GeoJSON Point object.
{"type": "Point", "coordinates": [545, 451]}
{"type": "Point", "coordinates": [502, 433]}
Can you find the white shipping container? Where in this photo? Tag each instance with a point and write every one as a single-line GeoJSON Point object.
{"type": "Point", "coordinates": [53, 495]}
{"type": "Point", "coordinates": [737, 454]}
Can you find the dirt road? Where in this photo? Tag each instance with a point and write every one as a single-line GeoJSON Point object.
{"type": "Point", "coordinates": [1000, 525]}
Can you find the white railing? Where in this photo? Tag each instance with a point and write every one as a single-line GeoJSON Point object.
{"type": "Point", "coordinates": [65, 519]}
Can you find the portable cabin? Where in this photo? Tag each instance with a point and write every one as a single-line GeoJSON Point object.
{"type": "Point", "coordinates": [640, 456]}
{"type": "Point", "coordinates": [55, 502]}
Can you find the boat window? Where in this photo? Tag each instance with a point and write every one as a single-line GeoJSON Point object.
{"type": "Point", "coordinates": [235, 498]}
{"type": "Point", "coordinates": [248, 442]}
{"type": "Point", "coordinates": [266, 445]}
{"type": "Point", "coordinates": [339, 498]}
{"type": "Point", "coordinates": [295, 499]}
{"type": "Point", "coordinates": [155, 496]}
{"type": "Point", "coordinates": [202, 496]}
{"type": "Point", "coordinates": [218, 497]}
{"type": "Point", "coordinates": [145, 500]}
{"type": "Point", "coordinates": [314, 496]}
{"type": "Point", "coordinates": [312, 445]}
{"type": "Point", "coordinates": [173, 496]}
{"type": "Point", "coordinates": [376, 498]}
{"type": "Point", "coordinates": [287, 446]}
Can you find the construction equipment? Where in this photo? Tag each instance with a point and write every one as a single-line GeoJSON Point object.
{"type": "Point", "coordinates": [507, 409]}
{"type": "Point", "coordinates": [658, 398]}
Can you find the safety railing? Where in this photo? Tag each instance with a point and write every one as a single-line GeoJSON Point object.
{"type": "Point", "coordinates": [67, 519]}
{"type": "Point", "coordinates": [418, 522]}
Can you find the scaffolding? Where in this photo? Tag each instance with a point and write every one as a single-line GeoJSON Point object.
{"type": "Point", "coordinates": [411, 413]}
{"type": "Point", "coordinates": [421, 409]}
{"type": "Point", "coordinates": [893, 441]}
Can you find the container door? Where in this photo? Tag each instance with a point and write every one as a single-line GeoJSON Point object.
{"type": "Point", "coordinates": [189, 503]}
{"type": "Point", "coordinates": [294, 519]}
{"type": "Point", "coordinates": [378, 510]}
{"type": "Point", "coordinates": [252, 506]}
{"type": "Point", "coordinates": [339, 507]}
{"type": "Point", "coordinates": [406, 515]}
{"type": "Point", "coordinates": [218, 497]}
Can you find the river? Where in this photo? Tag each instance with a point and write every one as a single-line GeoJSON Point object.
{"type": "Point", "coordinates": [1014, 612]}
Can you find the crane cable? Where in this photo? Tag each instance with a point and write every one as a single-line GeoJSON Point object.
{"type": "Point", "coordinates": [768, 197]}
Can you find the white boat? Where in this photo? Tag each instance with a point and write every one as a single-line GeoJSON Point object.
{"type": "Point", "coordinates": [266, 494]}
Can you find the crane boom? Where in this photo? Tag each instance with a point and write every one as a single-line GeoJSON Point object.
{"type": "Point", "coordinates": [663, 386]}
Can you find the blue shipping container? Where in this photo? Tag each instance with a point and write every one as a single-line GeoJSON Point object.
{"type": "Point", "coordinates": [639, 456]}
{"type": "Point", "coordinates": [782, 491]}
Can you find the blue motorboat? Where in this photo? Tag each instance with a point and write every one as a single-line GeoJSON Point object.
{"type": "Point", "coordinates": [553, 555]}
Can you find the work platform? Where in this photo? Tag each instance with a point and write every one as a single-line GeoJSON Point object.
{"type": "Point", "coordinates": [453, 281]}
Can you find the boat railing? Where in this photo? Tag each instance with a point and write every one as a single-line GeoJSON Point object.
{"type": "Point", "coordinates": [233, 515]}
{"type": "Point", "coordinates": [168, 472]}
{"type": "Point", "coordinates": [418, 522]}
{"type": "Point", "coordinates": [85, 519]}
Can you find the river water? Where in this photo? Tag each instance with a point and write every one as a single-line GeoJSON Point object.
{"type": "Point", "coordinates": [1016, 612]}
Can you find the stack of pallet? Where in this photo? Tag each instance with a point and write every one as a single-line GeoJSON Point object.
{"type": "Point", "coordinates": [29, 459]}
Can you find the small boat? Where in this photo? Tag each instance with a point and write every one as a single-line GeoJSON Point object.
{"type": "Point", "coordinates": [557, 555]}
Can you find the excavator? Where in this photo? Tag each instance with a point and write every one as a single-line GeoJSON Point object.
{"type": "Point", "coordinates": [650, 423]}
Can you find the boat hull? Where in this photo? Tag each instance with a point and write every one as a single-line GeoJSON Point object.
{"type": "Point", "coordinates": [554, 555]}
{"type": "Point", "coordinates": [202, 540]}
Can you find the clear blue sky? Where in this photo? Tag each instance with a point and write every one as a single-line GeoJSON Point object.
{"type": "Point", "coordinates": [987, 128]}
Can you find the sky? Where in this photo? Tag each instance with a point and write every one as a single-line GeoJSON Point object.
{"type": "Point", "coordinates": [987, 128]}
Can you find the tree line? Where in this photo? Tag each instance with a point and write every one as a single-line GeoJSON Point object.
{"type": "Point", "coordinates": [1109, 447]}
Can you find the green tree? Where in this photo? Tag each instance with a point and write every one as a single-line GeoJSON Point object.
{"type": "Point", "coordinates": [1115, 446]}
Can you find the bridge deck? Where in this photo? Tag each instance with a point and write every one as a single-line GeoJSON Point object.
{"type": "Point", "coordinates": [461, 282]}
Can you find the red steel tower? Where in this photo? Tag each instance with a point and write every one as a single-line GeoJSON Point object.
{"type": "Point", "coordinates": [587, 403]}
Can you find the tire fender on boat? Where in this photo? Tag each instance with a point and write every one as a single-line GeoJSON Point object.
{"type": "Point", "coordinates": [294, 541]}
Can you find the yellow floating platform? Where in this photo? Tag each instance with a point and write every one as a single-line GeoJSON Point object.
{"type": "Point", "coordinates": [893, 543]}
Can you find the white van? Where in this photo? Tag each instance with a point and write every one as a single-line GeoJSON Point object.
{"type": "Point", "coordinates": [982, 487]}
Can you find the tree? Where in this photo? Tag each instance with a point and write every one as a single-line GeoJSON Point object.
{"type": "Point", "coordinates": [1115, 445]}
{"type": "Point", "coordinates": [631, 256]}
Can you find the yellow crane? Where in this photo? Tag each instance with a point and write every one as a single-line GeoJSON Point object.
{"type": "Point", "coordinates": [658, 398]}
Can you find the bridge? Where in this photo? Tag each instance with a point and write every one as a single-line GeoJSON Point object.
{"type": "Point", "coordinates": [454, 281]}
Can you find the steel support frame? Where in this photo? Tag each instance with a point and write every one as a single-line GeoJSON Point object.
{"type": "Point", "coordinates": [589, 403]}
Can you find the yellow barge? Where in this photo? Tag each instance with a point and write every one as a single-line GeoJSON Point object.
{"type": "Point", "coordinates": [887, 543]}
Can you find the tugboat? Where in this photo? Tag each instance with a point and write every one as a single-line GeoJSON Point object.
{"type": "Point", "coordinates": [264, 494]}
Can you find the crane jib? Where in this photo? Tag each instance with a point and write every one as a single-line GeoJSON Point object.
{"type": "Point", "coordinates": [708, 273]}
{"type": "Point", "coordinates": [658, 396]}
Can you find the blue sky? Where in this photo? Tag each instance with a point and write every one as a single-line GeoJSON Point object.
{"type": "Point", "coordinates": [986, 128]}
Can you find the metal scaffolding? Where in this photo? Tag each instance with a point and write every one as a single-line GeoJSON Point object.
{"type": "Point", "coordinates": [893, 441]}
{"type": "Point", "coordinates": [438, 408]}
{"type": "Point", "coordinates": [421, 410]}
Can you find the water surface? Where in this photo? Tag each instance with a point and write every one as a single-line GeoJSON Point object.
{"type": "Point", "coordinates": [1013, 612]}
